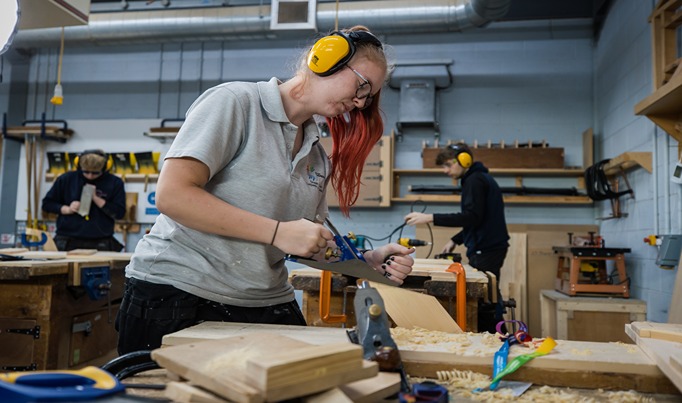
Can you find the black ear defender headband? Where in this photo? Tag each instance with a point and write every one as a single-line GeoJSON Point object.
{"type": "Point", "coordinates": [462, 156]}
{"type": "Point", "coordinates": [331, 53]}
{"type": "Point", "coordinates": [107, 166]}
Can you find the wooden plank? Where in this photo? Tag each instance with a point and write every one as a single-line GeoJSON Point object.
{"type": "Point", "coordinates": [588, 148]}
{"type": "Point", "coordinates": [371, 390]}
{"type": "Point", "coordinates": [510, 158]}
{"type": "Point", "coordinates": [661, 331]}
{"type": "Point", "coordinates": [513, 282]}
{"type": "Point", "coordinates": [279, 374]}
{"type": "Point", "coordinates": [629, 160]}
{"type": "Point", "coordinates": [410, 309]}
{"type": "Point", "coordinates": [675, 309]}
{"type": "Point", "coordinates": [183, 392]}
{"type": "Point", "coordinates": [220, 330]}
{"type": "Point", "coordinates": [660, 352]}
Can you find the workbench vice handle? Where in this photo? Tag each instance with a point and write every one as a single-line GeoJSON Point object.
{"type": "Point", "coordinates": [325, 300]}
{"type": "Point", "coordinates": [461, 296]}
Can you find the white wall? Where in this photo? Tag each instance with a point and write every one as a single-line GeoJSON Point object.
{"type": "Point", "coordinates": [623, 77]}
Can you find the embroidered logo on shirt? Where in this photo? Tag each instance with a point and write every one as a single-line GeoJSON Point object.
{"type": "Point", "coordinates": [315, 179]}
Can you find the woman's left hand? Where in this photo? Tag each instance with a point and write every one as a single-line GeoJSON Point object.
{"type": "Point", "coordinates": [392, 260]}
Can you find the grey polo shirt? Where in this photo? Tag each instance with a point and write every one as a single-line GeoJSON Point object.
{"type": "Point", "coordinates": [240, 131]}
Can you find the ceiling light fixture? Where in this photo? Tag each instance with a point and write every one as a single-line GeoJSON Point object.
{"type": "Point", "coordinates": [9, 20]}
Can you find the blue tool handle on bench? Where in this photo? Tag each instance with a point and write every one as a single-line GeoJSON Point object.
{"type": "Point", "coordinates": [57, 386]}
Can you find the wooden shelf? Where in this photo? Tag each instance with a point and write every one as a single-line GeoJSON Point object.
{"type": "Point", "coordinates": [627, 161]}
{"type": "Point", "coordinates": [50, 133]}
{"type": "Point", "coordinates": [131, 178]}
{"type": "Point", "coordinates": [510, 199]}
{"type": "Point", "coordinates": [664, 107]}
{"type": "Point", "coordinates": [568, 172]}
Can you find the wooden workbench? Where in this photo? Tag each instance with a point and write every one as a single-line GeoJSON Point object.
{"type": "Point", "coordinates": [574, 364]}
{"type": "Point", "coordinates": [428, 276]}
{"type": "Point", "coordinates": [48, 321]}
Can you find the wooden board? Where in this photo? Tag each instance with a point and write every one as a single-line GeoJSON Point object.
{"type": "Point", "coordinates": [675, 310]}
{"type": "Point", "coordinates": [231, 367]}
{"type": "Point", "coordinates": [536, 158]}
{"type": "Point", "coordinates": [660, 331]}
{"type": "Point", "coordinates": [370, 390]}
{"type": "Point", "coordinates": [664, 353]}
{"type": "Point", "coordinates": [575, 364]}
{"type": "Point", "coordinates": [513, 283]}
{"type": "Point", "coordinates": [411, 309]}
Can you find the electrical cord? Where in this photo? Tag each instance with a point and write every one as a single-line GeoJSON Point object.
{"type": "Point", "coordinates": [597, 184]}
{"type": "Point", "coordinates": [399, 230]}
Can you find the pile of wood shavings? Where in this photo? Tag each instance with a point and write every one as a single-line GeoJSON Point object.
{"type": "Point", "coordinates": [462, 383]}
{"type": "Point", "coordinates": [465, 344]}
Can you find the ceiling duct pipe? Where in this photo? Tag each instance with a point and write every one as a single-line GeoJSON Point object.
{"type": "Point", "coordinates": [253, 22]}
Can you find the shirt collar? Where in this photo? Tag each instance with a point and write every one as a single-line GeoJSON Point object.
{"type": "Point", "coordinates": [271, 100]}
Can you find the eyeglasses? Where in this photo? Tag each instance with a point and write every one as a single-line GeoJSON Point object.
{"type": "Point", "coordinates": [92, 172]}
{"type": "Point", "coordinates": [364, 90]}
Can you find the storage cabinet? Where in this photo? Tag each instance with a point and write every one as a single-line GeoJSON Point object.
{"type": "Point", "coordinates": [588, 318]}
{"type": "Point", "coordinates": [47, 321]}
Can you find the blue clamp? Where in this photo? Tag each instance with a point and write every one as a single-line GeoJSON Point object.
{"type": "Point", "coordinates": [27, 243]}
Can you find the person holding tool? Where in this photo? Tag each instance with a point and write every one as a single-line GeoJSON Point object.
{"type": "Point", "coordinates": [88, 201]}
{"type": "Point", "coordinates": [484, 228]}
{"type": "Point", "coordinates": [243, 186]}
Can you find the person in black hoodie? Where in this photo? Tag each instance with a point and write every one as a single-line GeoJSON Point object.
{"type": "Point", "coordinates": [484, 228]}
{"type": "Point", "coordinates": [95, 229]}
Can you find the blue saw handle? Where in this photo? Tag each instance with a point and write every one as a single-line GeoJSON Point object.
{"type": "Point", "coordinates": [58, 386]}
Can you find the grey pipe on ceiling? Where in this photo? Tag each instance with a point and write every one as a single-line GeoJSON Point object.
{"type": "Point", "coordinates": [253, 22]}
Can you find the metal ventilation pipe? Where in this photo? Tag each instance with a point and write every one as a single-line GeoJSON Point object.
{"type": "Point", "coordinates": [253, 22]}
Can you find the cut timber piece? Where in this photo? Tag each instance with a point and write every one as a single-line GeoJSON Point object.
{"type": "Point", "coordinates": [223, 366]}
{"type": "Point", "coordinates": [675, 307]}
{"type": "Point", "coordinates": [279, 375]}
{"type": "Point", "coordinates": [660, 331]}
{"type": "Point", "coordinates": [335, 395]}
{"type": "Point", "coordinates": [370, 390]}
{"type": "Point", "coordinates": [411, 309]}
{"type": "Point", "coordinates": [629, 160]}
{"type": "Point", "coordinates": [81, 252]}
{"type": "Point", "coordinates": [221, 330]}
{"type": "Point", "coordinates": [663, 353]}
{"type": "Point", "coordinates": [183, 392]}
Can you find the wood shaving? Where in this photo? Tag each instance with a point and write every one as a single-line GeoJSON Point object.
{"type": "Point", "coordinates": [460, 384]}
{"type": "Point", "coordinates": [631, 348]}
{"type": "Point", "coordinates": [585, 353]}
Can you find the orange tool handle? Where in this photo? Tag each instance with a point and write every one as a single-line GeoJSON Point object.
{"type": "Point", "coordinates": [325, 300]}
{"type": "Point", "coordinates": [461, 301]}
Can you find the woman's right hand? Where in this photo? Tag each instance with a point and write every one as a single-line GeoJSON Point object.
{"type": "Point", "coordinates": [302, 237]}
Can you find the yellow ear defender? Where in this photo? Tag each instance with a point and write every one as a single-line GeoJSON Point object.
{"type": "Point", "coordinates": [462, 157]}
{"type": "Point", "coordinates": [107, 166]}
{"type": "Point", "coordinates": [331, 53]}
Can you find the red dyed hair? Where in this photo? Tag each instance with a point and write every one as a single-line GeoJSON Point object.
{"type": "Point", "coordinates": [352, 143]}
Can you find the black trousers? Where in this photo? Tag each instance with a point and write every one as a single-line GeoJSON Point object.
{"type": "Point", "coordinates": [67, 243]}
{"type": "Point", "coordinates": [150, 311]}
{"type": "Point", "coordinates": [491, 261]}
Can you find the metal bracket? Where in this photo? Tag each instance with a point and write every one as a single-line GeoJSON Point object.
{"type": "Point", "coordinates": [35, 331]}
